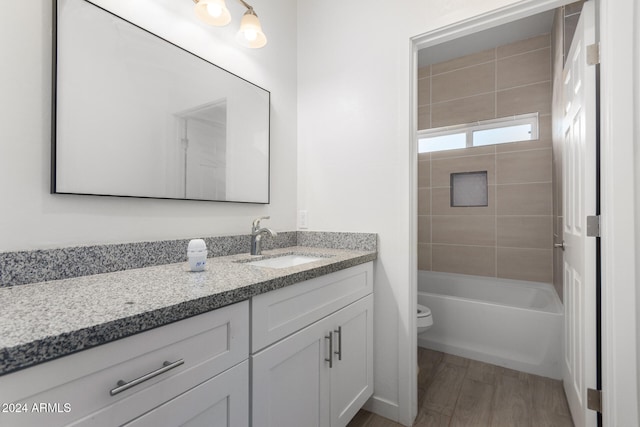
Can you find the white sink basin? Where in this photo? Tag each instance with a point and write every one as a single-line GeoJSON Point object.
{"type": "Point", "coordinates": [284, 261]}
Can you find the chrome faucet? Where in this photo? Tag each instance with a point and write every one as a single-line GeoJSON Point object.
{"type": "Point", "coordinates": [257, 233]}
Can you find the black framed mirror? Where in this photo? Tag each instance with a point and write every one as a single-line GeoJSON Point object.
{"type": "Point", "coordinates": [137, 116]}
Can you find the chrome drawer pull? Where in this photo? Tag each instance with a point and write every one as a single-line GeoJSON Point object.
{"type": "Point", "coordinates": [339, 332]}
{"type": "Point", "coordinates": [330, 359]}
{"type": "Point", "coordinates": [123, 385]}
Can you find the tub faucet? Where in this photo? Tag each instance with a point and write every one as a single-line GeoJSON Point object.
{"type": "Point", "coordinates": [257, 233]}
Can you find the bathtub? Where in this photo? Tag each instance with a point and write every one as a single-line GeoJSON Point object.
{"type": "Point", "coordinates": [510, 323]}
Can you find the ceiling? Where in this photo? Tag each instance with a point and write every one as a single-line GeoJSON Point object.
{"type": "Point", "coordinates": [497, 36]}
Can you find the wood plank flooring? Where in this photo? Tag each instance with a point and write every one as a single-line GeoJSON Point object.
{"type": "Point", "coordinates": [454, 391]}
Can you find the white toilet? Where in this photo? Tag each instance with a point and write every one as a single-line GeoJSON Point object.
{"type": "Point", "coordinates": [425, 320]}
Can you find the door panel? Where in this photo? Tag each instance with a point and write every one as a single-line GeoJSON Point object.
{"type": "Point", "coordinates": [291, 380]}
{"type": "Point", "coordinates": [352, 372]}
{"type": "Point", "coordinates": [579, 200]}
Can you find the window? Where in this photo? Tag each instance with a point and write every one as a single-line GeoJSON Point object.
{"type": "Point", "coordinates": [523, 127]}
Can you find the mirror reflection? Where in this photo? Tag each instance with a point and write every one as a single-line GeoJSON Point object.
{"type": "Point", "coordinates": [138, 116]}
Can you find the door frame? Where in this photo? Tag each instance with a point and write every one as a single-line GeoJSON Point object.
{"type": "Point", "coordinates": [620, 198]}
{"type": "Point", "coordinates": [474, 24]}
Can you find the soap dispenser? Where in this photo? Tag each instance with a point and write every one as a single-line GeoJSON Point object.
{"type": "Point", "coordinates": [197, 254]}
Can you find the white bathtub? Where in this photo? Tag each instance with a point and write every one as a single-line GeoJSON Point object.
{"type": "Point", "coordinates": [510, 323]}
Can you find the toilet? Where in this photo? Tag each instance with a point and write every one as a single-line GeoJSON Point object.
{"type": "Point", "coordinates": [425, 320]}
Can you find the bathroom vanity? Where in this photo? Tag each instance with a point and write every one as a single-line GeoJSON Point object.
{"type": "Point", "coordinates": [239, 344]}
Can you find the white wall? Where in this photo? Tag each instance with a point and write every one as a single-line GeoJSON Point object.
{"type": "Point", "coordinates": [31, 218]}
{"type": "Point", "coordinates": [354, 106]}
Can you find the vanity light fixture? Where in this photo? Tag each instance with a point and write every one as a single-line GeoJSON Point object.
{"type": "Point", "coordinates": [215, 12]}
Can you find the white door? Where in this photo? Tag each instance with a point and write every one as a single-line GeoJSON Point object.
{"type": "Point", "coordinates": [352, 372]}
{"type": "Point", "coordinates": [291, 380]}
{"type": "Point", "coordinates": [579, 201]}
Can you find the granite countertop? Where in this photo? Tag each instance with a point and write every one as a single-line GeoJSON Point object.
{"type": "Point", "coordinates": [47, 320]}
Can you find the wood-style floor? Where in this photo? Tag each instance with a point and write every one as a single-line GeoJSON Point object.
{"type": "Point", "coordinates": [454, 391]}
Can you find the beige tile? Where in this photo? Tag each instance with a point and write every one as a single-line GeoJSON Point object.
{"type": "Point", "coordinates": [478, 260]}
{"type": "Point", "coordinates": [524, 199]}
{"type": "Point", "coordinates": [464, 83]}
{"type": "Point", "coordinates": [550, 406]}
{"type": "Point", "coordinates": [377, 421]}
{"type": "Point", "coordinates": [558, 184]}
{"type": "Point", "coordinates": [424, 91]}
{"type": "Point", "coordinates": [533, 232]}
{"type": "Point", "coordinates": [428, 361]}
{"type": "Point", "coordinates": [360, 419]}
{"type": "Point", "coordinates": [423, 157]}
{"type": "Point", "coordinates": [424, 201]}
{"type": "Point", "coordinates": [549, 394]}
{"type": "Point", "coordinates": [544, 418]}
{"type": "Point", "coordinates": [428, 418]}
{"type": "Point", "coordinates": [452, 359]}
{"type": "Point", "coordinates": [424, 229]}
{"type": "Point", "coordinates": [462, 152]}
{"type": "Point", "coordinates": [464, 61]}
{"type": "Point", "coordinates": [443, 168]}
{"type": "Point", "coordinates": [544, 128]}
{"type": "Point", "coordinates": [527, 68]}
{"type": "Point", "coordinates": [464, 230]}
{"type": "Point", "coordinates": [535, 144]}
{"type": "Point", "coordinates": [557, 273]}
{"type": "Point", "coordinates": [526, 45]}
{"type": "Point", "coordinates": [543, 141]}
{"type": "Point", "coordinates": [525, 264]}
{"type": "Point", "coordinates": [424, 71]}
{"type": "Point", "coordinates": [466, 110]}
{"type": "Point", "coordinates": [512, 403]}
{"type": "Point", "coordinates": [511, 373]}
{"type": "Point", "coordinates": [424, 173]}
{"type": "Point", "coordinates": [557, 228]}
{"type": "Point", "coordinates": [441, 203]}
{"type": "Point", "coordinates": [558, 259]}
{"type": "Point", "coordinates": [520, 167]}
{"type": "Point", "coordinates": [474, 404]}
{"type": "Point", "coordinates": [424, 257]}
{"type": "Point", "coordinates": [483, 372]}
{"type": "Point", "coordinates": [535, 98]}
{"type": "Point", "coordinates": [424, 117]}
{"type": "Point", "coordinates": [442, 394]}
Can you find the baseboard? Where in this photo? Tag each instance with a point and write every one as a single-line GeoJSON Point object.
{"type": "Point", "coordinates": [383, 407]}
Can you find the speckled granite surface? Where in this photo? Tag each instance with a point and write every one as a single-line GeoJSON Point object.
{"type": "Point", "coordinates": [18, 268]}
{"type": "Point", "coordinates": [43, 321]}
{"type": "Point", "coordinates": [337, 240]}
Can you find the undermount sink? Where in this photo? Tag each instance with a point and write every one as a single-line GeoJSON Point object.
{"type": "Point", "coordinates": [285, 261]}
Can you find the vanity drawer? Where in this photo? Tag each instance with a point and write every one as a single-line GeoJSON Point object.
{"type": "Point", "coordinates": [83, 383]}
{"type": "Point", "coordinates": [280, 313]}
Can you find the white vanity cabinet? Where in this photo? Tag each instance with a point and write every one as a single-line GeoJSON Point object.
{"type": "Point", "coordinates": [312, 347]}
{"type": "Point", "coordinates": [191, 372]}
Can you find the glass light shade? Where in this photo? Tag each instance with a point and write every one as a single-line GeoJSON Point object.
{"type": "Point", "coordinates": [250, 34]}
{"type": "Point", "coordinates": [213, 12]}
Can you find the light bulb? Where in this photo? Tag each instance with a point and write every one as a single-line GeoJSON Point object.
{"type": "Point", "coordinates": [214, 9]}
{"type": "Point", "coordinates": [212, 12]}
{"type": "Point", "coordinates": [250, 34]}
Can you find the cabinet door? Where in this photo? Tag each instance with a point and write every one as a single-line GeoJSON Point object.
{"type": "Point", "coordinates": [221, 401]}
{"type": "Point", "coordinates": [352, 372]}
{"type": "Point", "coordinates": [291, 381]}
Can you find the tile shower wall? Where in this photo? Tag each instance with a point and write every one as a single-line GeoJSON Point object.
{"type": "Point", "coordinates": [512, 237]}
